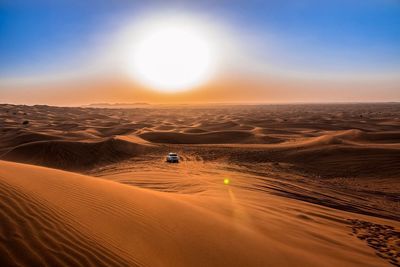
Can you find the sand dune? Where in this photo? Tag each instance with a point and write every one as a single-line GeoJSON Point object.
{"type": "Point", "coordinates": [73, 155]}
{"type": "Point", "coordinates": [18, 137]}
{"type": "Point", "coordinates": [107, 223]}
{"type": "Point", "coordinates": [219, 137]}
{"type": "Point", "coordinates": [347, 161]}
{"type": "Point", "coordinates": [309, 185]}
{"type": "Point", "coordinates": [349, 153]}
{"type": "Point", "coordinates": [354, 137]}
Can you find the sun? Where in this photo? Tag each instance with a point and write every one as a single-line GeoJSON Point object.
{"type": "Point", "coordinates": [173, 56]}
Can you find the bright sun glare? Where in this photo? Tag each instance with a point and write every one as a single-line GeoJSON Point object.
{"type": "Point", "coordinates": [173, 56]}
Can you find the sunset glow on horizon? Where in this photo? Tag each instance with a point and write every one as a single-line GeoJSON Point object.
{"type": "Point", "coordinates": [186, 52]}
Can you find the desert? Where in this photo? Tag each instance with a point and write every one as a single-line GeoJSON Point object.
{"type": "Point", "coordinates": [206, 133]}
{"type": "Point", "coordinates": [256, 185]}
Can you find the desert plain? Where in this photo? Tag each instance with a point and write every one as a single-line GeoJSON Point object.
{"type": "Point", "coordinates": [257, 185]}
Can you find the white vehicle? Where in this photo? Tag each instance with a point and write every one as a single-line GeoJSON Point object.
{"type": "Point", "coordinates": [172, 158]}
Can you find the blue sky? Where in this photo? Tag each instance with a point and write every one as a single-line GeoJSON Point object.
{"type": "Point", "coordinates": [309, 35]}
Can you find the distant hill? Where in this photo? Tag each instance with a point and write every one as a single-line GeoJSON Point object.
{"type": "Point", "coordinates": [118, 105]}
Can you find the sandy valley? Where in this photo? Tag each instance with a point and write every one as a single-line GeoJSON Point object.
{"type": "Point", "coordinates": [305, 185]}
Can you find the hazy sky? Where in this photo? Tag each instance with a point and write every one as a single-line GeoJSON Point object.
{"type": "Point", "coordinates": [68, 52]}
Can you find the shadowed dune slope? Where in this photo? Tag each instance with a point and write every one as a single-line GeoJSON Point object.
{"type": "Point", "coordinates": [330, 160]}
{"type": "Point", "coordinates": [352, 136]}
{"type": "Point", "coordinates": [73, 155]}
{"type": "Point", "coordinates": [219, 137]}
{"type": "Point", "coordinates": [341, 161]}
{"type": "Point", "coordinates": [338, 154]}
{"type": "Point", "coordinates": [16, 137]}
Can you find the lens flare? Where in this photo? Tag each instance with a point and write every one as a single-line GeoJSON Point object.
{"type": "Point", "coordinates": [227, 181]}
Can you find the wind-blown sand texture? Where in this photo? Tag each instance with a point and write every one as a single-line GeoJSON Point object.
{"type": "Point", "coordinates": [309, 185]}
